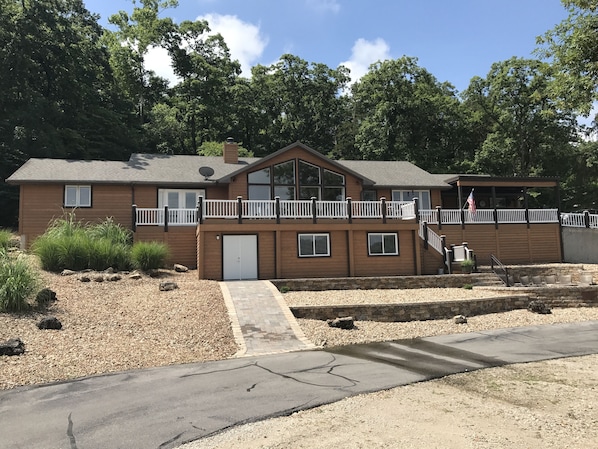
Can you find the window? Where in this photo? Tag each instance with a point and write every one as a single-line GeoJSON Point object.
{"type": "Point", "coordinates": [77, 196]}
{"type": "Point", "coordinates": [314, 245]}
{"type": "Point", "coordinates": [368, 195]}
{"type": "Point", "coordinates": [383, 244]}
{"type": "Point", "coordinates": [407, 195]}
{"type": "Point", "coordinates": [179, 198]}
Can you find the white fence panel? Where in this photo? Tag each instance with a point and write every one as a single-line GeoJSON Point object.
{"type": "Point", "coordinates": [220, 209]}
{"type": "Point", "coordinates": [450, 216]}
{"type": "Point", "coordinates": [149, 217]}
{"type": "Point", "coordinates": [480, 216]}
{"type": "Point", "coordinates": [511, 215]}
{"type": "Point", "coordinates": [366, 209]}
{"type": "Point", "coordinates": [543, 216]}
{"type": "Point", "coordinates": [331, 209]}
{"type": "Point", "coordinates": [295, 209]}
{"type": "Point", "coordinates": [258, 209]}
{"type": "Point", "coordinates": [182, 217]}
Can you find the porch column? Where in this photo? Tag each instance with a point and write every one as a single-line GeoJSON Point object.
{"type": "Point", "coordinates": [526, 205]}
{"type": "Point", "coordinates": [134, 218]}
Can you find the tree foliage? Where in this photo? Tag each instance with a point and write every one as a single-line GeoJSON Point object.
{"type": "Point", "coordinates": [572, 47]}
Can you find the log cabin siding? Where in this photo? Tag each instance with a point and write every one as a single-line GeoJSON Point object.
{"type": "Point", "coordinates": [45, 202]}
{"type": "Point", "coordinates": [387, 265]}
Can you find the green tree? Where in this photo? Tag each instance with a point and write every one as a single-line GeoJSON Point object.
{"type": "Point", "coordinates": [296, 100]}
{"type": "Point", "coordinates": [403, 113]}
{"type": "Point", "coordinates": [527, 134]}
{"type": "Point", "coordinates": [572, 48]}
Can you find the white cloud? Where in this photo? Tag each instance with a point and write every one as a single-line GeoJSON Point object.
{"type": "Point", "coordinates": [363, 54]}
{"type": "Point", "coordinates": [324, 6]}
{"type": "Point", "coordinates": [244, 39]}
{"type": "Point", "coordinates": [158, 60]}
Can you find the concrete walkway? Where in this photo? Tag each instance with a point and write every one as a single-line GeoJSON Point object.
{"type": "Point", "coordinates": [261, 320]}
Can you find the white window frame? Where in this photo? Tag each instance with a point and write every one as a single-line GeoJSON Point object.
{"type": "Point", "coordinates": [163, 196]}
{"type": "Point", "coordinates": [313, 238]}
{"type": "Point", "coordinates": [78, 202]}
{"type": "Point", "coordinates": [383, 253]}
{"type": "Point", "coordinates": [399, 195]}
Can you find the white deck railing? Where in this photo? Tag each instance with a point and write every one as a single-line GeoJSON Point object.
{"type": "Point", "coordinates": [391, 210]}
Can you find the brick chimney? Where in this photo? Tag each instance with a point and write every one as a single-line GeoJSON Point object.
{"type": "Point", "coordinates": [231, 151]}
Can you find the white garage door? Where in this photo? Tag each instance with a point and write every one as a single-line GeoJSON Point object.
{"type": "Point", "coordinates": [239, 257]}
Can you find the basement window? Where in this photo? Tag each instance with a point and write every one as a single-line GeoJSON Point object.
{"type": "Point", "coordinates": [314, 245]}
{"type": "Point", "coordinates": [383, 244]}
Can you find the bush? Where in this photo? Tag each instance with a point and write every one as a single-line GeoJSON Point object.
{"type": "Point", "coordinates": [111, 231]}
{"type": "Point", "coordinates": [18, 281]}
{"type": "Point", "coordinates": [5, 238]}
{"type": "Point", "coordinates": [103, 253]}
{"type": "Point", "coordinates": [149, 255]}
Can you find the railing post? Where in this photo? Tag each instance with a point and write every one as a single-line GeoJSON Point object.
{"type": "Point", "coordinates": [425, 225]}
{"type": "Point", "coordinates": [165, 218]}
{"type": "Point", "coordinates": [383, 199]}
{"type": "Point", "coordinates": [200, 209]}
{"type": "Point", "coordinates": [439, 214]}
{"type": "Point", "coordinates": [239, 209]}
{"type": "Point", "coordinates": [350, 210]}
{"type": "Point", "coordinates": [462, 218]}
{"type": "Point", "coordinates": [527, 216]}
{"type": "Point", "coordinates": [495, 216]}
{"type": "Point", "coordinates": [314, 212]}
{"type": "Point", "coordinates": [445, 254]}
{"type": "Point", "coordinates": [416, 209]}
{"type": "Point", "coordinates": [134, 218]}
{"type": "Point", "coordinates": [586, 218]}
{"type": "Point", "coordinates": [277, 209]}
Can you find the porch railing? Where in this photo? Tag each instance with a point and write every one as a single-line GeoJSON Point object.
{"type": "Point", "coordinates": [384, 210]}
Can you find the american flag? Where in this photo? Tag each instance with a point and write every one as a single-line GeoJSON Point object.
{"type": "Point", "coordinates": [471, 202]}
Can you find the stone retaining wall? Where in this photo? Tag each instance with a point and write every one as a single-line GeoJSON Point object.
{"type": "Point", "coordinates": [368, 283]}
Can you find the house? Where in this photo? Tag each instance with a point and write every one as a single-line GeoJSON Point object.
{"type": "Point", "coordinates": [294, 213]}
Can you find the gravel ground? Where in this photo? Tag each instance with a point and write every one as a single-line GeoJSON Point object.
{"type": "Point", "coordinates": [117, 326]}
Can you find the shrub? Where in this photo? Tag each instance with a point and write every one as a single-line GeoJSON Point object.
{"type": "Point", "coordinates": [103, 253]}
{"type": "Point", "coordinates": [149, 255]}
{"type": "Point", "coordinates": [18, 281]}
{"type": "Point", "coordinates": [112, 231]}
{"type": "Point", "coordinates": [5, 238]}
{"type": "Point", "coordinates": [468, 286]}
{"type": "Point", "coordinates": [285, 289]}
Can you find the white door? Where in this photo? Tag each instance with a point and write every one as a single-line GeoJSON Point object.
{"type": "Point", "coordinates": [239, 257]}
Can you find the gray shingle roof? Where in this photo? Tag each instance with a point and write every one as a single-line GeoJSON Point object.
{"type": "Point", "coordinates": [179, 170]}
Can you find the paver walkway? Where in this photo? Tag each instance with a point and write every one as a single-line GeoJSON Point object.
{"type": "Point", "coordinates": [261, 320]}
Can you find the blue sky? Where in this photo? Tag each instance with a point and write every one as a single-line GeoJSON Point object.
{"type": "Point", "coordinates": [453, 39]}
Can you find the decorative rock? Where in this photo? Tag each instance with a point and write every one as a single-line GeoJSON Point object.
{"type": "Point", "coordinates": [538, 307]}
{"type": "Point", "coordinates": [460, 319]}
{"type": "Point", "coordinates": [180, 268]}
{"type": "Point", "coordinates": [45, 297]}
{"type": "Point", "coordinates": [109, 270]}
{"type": "Point", "coordinates": [167, 286]}
{"type": "Point", "coordinates": [98, 278]}
{"type": "Point", "coordinates": [85, 278]}
{"type": "Point", "coordinates": [342, 323]}
{"type": "Point", "coordinates": [135, 275]}
{"type": "Point", "coordinates": [50, 322]}
{"type": "Point", "coordinates": [154, 273]}
{"type": "Point", "coordinates": [12, 347]}
{"type": "Point", "coordinates": [67, 272]}
{"type": "Point", "coordinates": [114, 277]}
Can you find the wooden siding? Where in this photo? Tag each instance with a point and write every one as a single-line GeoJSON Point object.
{"type": "Point", "coordinates": [44, 202]}
{"type": "Point", "coordinates": [145, 196]}
{"type": "Point", "coordinates": [403, 264]}
{"type": "Point", "coordinates": [278, 249]}
{"type": "Point", "coordinates": [511, 243]}
{"type": "Point", "coordinates": [180, 241]}
{"type": "Point", "coordinates": [431, 260]}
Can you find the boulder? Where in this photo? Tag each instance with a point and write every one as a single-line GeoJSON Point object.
{"type": "Point", "coordinates": [342, 323]}
{"type": "Point", "coordinates": [167, 286]}
{"type": "Point", "coordinates": [135, 275]}
{"type": "Point", "coordinates": [12, 347]}
{"type": "Point", "coordinates": [109, 270]}
{"type": "Point", "coordinates": [98, 278]}
{"type": "Point", "coordinates": [67, 272]}
{"type": "Point", "coordinates": [50, 322]}
{"type": "Point", "coordinates": [538, 307]}
{"type": "Point", "coordinates": [114, 277]}
{"type": "Point", "coordinates": [180, 268]}
{"type": "Point", "coordinates": [460, 319]}
{"type": "Point", "coordinates": [45, 297]}
{"type": "Point", "coordinates": [85, 278]}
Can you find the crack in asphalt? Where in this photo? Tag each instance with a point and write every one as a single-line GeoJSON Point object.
{"type": "Point", "coordinates": [69, 432]}
{"type": "Point", "coordinates": [172, 440]}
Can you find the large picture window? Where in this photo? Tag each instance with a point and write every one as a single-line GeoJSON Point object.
{"type": "Point", "coordinates": [383, 244]}
{"type": "Point", "coordinates": [314, 245]}
{"type": "Point", "coordinates": [295, 179]}
{"type": "Point", "coordinates": [77, 196]}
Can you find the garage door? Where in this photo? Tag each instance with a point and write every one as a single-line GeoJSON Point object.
{"type": "Point", "coordinates": [239, 256]}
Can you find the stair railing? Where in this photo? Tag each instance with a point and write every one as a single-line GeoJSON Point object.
{"type": "Point", "coordinates": [499, 269]}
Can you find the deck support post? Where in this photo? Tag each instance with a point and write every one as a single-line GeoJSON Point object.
{"type": "Point", "coordinates": [277, 209]}
{"type": "Point", "coordinates": [165, 218]}
{"type": "Point", "coordinates": [383, 199]}
{"type": "Point", "coordinates": [239, 209]}
{"type": "Point", "coordinates": [134, 218]}
{"type": "Point", "coordinates": [349, 210]}
{"type": "Point", "coordinates": [314, 211]}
